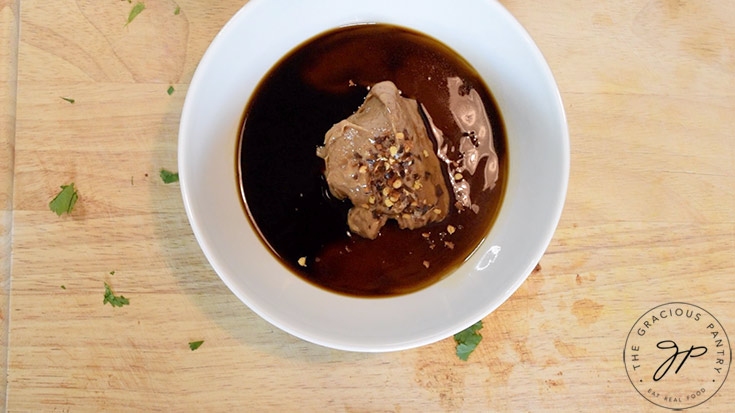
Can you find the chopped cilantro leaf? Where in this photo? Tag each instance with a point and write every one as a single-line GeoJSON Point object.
{"type": "Point", "coordinates": [63, 287]}
{"type": "Point", "coordinates": [467, 340]}
{"type": "Point", "coordinates": [114, 300]}
{"type": "Point", "coordinates": [112, 272]}
{"type": "Point", "coordinates": [177, 11]}
{"type": "Point", "coordinates": [193, 345]}
{"type": "Point", "coordinates": [169, 177]}
{"type": "Point", "coordinates": [65, 200]}
{"type": "Point", "coordinates": [170, 90]}
{"type": "Point", "coordinates": [135, 11]}
{"type": "Point", "coordinates": [70, 100]}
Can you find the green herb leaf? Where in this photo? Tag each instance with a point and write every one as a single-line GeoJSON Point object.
{"type": "Point", "coordinates": [63, 287]}
{"type": "Point", "coordinates": [170, 90]}
{"type": "Point", "coordinates": [177, 11]}
{"type": "Point", "coordinates": [65, 200]}
{"type": "Point", "coordinates": [112, 272]}
{"type": "Point", "coordinates": [134, 12]}
{"type": "Point", "coordinates": [193, 345]}
{"type": "Point", "coordinates": [70, 100]}
{"type": "Point", "coordinates": [114, 300]}
{"type": "Point", "coordinates": [467, 340]}
{"type": "Point", "coordinates": [169, 177]}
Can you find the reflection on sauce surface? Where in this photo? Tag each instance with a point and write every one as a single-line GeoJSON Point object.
{"type": "Point", "coordinates": [324, 81]}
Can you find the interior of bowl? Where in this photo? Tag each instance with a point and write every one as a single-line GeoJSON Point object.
{"type": "Point", "coordinates": [538, 152]}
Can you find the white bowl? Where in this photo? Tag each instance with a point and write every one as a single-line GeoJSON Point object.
{"type": "Point", "coordinates": [485, 34]}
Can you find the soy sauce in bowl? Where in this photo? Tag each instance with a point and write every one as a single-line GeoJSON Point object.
{"type": "Point", "coordinates": [285, 196]}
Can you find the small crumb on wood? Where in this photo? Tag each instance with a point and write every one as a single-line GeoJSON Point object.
{"type": "Point", "coordinates": [537, 268]}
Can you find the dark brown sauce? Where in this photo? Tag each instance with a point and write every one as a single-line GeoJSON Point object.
{"type": "Point", "coordinates": [316, 85]}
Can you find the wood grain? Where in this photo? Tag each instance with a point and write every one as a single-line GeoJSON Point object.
{"type": "Point", "coordinates": [8, 73]}
{"type": "Point", "coordinates": [649, 90]}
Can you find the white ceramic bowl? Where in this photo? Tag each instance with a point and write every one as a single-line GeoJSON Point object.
{"type": "Point", "coordinates": [538, 152]}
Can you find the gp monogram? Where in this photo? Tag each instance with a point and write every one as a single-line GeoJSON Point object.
{"type": "Point", "coordinates": [677, 355]}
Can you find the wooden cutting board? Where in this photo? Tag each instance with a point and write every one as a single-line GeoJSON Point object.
{"type": "Point", "coordinates": [649, 90]}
